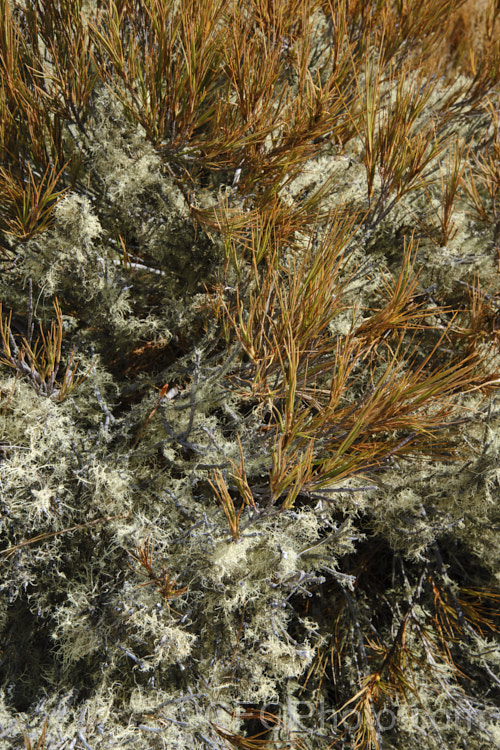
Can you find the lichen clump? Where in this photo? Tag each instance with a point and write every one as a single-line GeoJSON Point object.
{"type": "Point", "coordinates": [249, 371]}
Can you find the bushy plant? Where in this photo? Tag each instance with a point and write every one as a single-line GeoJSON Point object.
{"type": "Point", "coordinates": [249, 471]}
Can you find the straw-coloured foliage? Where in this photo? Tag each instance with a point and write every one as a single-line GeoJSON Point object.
{"type": "Point", "coordinates": [258, 509]}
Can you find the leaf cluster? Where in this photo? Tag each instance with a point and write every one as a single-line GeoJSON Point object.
{"type": "Point", "coordinates": [263, 210]}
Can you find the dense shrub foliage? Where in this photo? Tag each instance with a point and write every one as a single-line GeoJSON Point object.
{"type": "Point", "coordinates": [249, 371]}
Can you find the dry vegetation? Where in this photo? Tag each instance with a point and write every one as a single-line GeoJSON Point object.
{"type": "Point", "coordinates": [269, 232]}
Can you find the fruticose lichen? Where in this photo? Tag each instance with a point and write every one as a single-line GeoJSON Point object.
{"type": "Point", "coordinates": [130, 615]}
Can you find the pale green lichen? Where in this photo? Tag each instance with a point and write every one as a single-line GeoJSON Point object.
{"type": "Point", "coordinates": [90, 639]}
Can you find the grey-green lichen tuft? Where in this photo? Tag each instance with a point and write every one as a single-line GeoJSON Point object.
{"type": "Point", "coordinates": [132, 615]}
